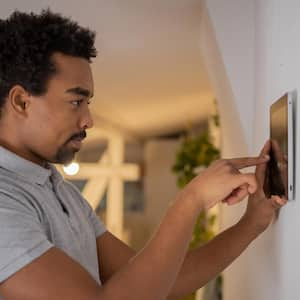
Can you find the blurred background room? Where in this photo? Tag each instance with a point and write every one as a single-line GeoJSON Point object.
{"type": "Point", "coordinates": [178, 84]}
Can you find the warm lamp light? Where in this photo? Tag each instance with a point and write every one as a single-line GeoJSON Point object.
{"type": "Point", "coordinates": [71, 169]}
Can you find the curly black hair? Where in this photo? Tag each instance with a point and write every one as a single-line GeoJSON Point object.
{"type": "Point", "coordinates": [27, 42]}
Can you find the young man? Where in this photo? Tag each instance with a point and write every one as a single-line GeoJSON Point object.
{"type": "Point", "coordinates": [52, 246]}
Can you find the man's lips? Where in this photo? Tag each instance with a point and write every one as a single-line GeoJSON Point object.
{"type": "Point", "coordinates": [76, 143]}
{"type": "Point", "coordinates": [76, 140]}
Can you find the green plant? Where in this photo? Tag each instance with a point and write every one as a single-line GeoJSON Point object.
{"type": "Point", "coordinates": [195, 152]}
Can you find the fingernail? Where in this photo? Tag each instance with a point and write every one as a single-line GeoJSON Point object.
{"type": "Point", "coordinates": [266, 156]}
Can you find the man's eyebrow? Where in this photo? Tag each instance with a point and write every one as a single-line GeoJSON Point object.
{"type": "Point", "coordinates": [80, 91]}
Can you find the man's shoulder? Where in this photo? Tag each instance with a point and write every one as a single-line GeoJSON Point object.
{"type": "Point", "coordinates": [15, 190]}
{"type": "Point", "coordinates": [11, 181]}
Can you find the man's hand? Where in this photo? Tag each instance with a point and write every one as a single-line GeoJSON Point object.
{"type": "Point", "coordinates": [261, 210]}
{"type": "Point", "coordinates": [223, 181]}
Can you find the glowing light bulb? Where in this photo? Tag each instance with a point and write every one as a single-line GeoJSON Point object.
{"type": "Point", "coordinates": [71, 169]}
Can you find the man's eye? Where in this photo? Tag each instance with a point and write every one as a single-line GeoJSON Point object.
{"type": "Point", "coordinates": [76, 102]}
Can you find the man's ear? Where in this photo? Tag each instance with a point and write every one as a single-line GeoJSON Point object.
{"type": "Point", "coordinates": [19, 100]}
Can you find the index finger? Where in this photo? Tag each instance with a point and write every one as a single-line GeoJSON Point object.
{"type": "Point", "coordinates": [244, 162]}
{"type": "Point", "coordinates": [266, 148]}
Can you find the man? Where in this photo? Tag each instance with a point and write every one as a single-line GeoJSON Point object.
{"type": "Point", "coordinates": [52, 246]}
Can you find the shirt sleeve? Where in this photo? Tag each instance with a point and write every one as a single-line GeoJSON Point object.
{"type": "Point", "coordinates": [97, 223]}
{"type": "Point", "coordinates": [22, 238]}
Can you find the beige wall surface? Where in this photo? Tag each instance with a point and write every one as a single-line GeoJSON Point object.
{"type": "Point", "coordinates": [160, 186]}
{"type": "Point", "coordinates": [252, 54]}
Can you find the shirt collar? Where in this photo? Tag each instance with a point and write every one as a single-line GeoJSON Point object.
{"type": "Point", "coordinates": [56, 177]}
{"type": "Point", "coordinates": [26, 169]}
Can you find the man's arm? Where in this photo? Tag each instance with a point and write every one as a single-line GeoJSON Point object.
{"type": "Point", "coordinates": [53, 275]}
{"type": "Point", "coordinates": [204, 263]}
{"type": "Point", "coordinates": [200, 265]}
{"type": "Point", "coordinates": [149, 275]}
{"type": "Point", "coordinates": [113, 254]}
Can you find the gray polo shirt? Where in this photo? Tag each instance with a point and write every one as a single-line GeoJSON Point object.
{"type": "Point", "coordinates": [40, 210]}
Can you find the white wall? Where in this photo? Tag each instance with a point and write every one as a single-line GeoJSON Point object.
{"type": "Point", "coordinates": [237, 58]}
{"type": "Point", "coordinates": [254, 47]}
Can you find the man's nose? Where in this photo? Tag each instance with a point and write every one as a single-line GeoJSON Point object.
{"type": "Point", "coordinates": [86, 121]}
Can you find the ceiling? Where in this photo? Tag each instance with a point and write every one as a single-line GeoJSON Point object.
{"type": "Point", "coordinates": [149, 75]}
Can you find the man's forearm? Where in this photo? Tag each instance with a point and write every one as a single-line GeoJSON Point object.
{"type": "Point", "coordinates": [153, 271]}
{"type": "Point", "coordinates": [204, 263]}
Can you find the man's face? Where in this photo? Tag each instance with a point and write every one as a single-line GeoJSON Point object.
{"type": "Point", "coordinates": [56, 121]}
